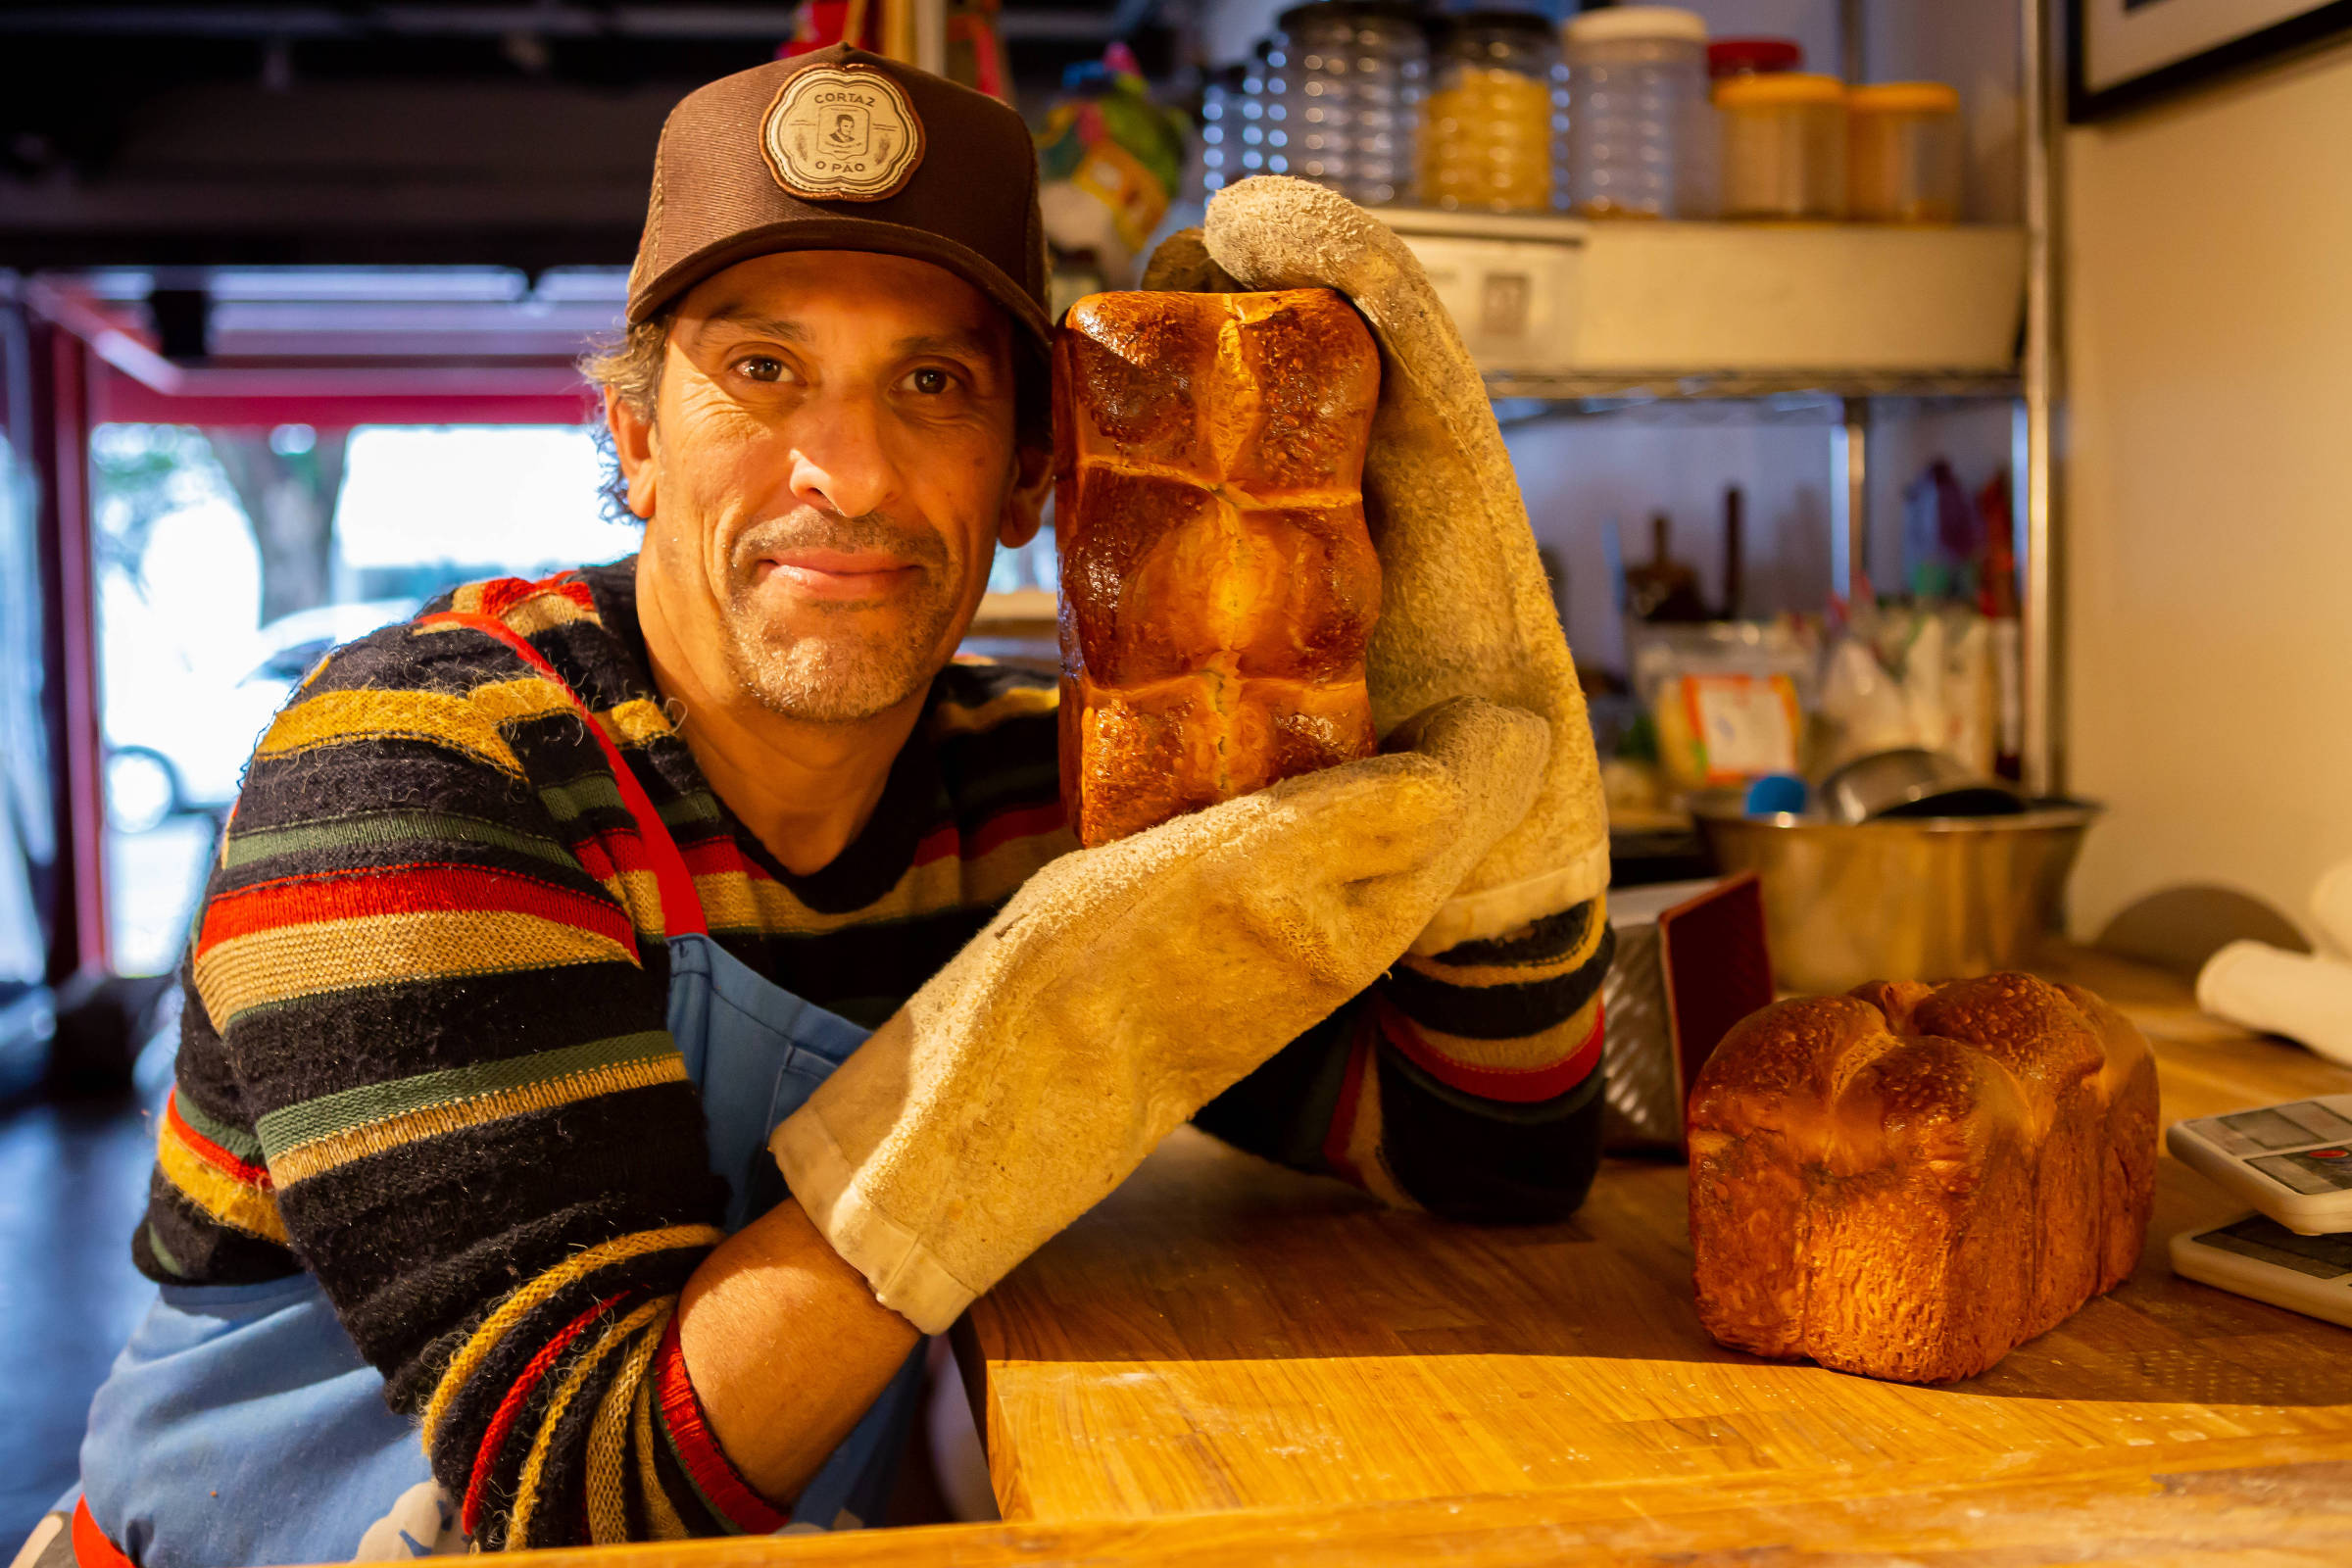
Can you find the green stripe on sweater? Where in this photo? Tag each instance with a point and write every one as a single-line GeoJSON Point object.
{"type": "Point", "coordinates": [389, 830]}
{"type": "Point", "coordinates": [314, 1119]}
{"type": "Point", "coordinates": [236, 1140]}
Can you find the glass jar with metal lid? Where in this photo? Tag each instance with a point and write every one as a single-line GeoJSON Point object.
{"type": "Point", "coordinates": [1345, 80]}
{"type": "Point", "coordinates": [1485, 127]}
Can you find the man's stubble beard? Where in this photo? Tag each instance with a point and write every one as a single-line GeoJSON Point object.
{"type": "Point", "coordinates": [852, 674]}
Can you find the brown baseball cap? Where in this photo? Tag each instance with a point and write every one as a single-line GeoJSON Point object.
{"type": "Point", "coordinates": [842, 150]}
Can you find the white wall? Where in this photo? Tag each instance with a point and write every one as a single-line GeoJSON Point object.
{"type": "Point", "coordinates": [2208, 485]}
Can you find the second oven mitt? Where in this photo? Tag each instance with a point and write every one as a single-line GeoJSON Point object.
{"type": "Point", "coordinates": [1464, 607]}
{"type": "Point", "coordinates": [1124, 987]}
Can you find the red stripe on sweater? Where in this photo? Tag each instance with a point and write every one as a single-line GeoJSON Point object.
{"type": "Point", "coordinates": [1514, 1084]}
{"type": "Point", "coordinates": [209, 1153]}
{"type": "Point", "coordinates": [609, 852]}
{"type": "Point", "coordinates": [510, 1411]}
{"type": "Point", "coordinates": [420, 888]}
{"type": "Point", "coordinates": [940, 844]}
{"type": "Point", "coordinates": [1020, 822]}
{"type": "Point", "coordinates": [504, 594]}
{"type": "Point", "coordinates": [730, 1497]}
{"type": "Point", "coordinates": [1343, 1115]}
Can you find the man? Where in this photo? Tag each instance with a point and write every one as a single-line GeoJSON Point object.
{"type": "Point", "coordinates": [539, 914]}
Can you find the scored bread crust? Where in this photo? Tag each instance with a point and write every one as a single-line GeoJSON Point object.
{"type": "Point", "coordinates": [1911, 1181]}
{"type": "Point", "coordinates": [1218, 583]}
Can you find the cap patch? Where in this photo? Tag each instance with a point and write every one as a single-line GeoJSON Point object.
{"type": "Point", "coordinates": [842, 133]}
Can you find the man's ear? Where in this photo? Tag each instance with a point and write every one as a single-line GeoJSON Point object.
{"type": "Point", "coordinates": [1026, 504]}
{"type": "Point", "coordinates": [634, 445]}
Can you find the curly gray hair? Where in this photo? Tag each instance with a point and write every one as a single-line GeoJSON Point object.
{"type": "Point", "coordinates": [629, 367]}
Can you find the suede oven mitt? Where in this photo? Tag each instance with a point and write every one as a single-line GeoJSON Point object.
{"type": "Point", "coordinates": [1124, 987]}
{"type": "Point", "coordinates": [1465, 608]}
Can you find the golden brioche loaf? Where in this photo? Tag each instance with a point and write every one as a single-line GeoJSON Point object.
{"type": "Point", "coordinates": [1911, 1181]}
{"type": "Point", "coordinates": [1217, 582]}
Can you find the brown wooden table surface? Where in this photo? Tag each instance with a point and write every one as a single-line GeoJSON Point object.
{"type": "Point", "coordinates": [1226, 1362]}
{"type": "Point", "coordinates": [1222, 1334]}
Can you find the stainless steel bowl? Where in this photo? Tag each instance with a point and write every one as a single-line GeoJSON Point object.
{"type": "Point", "coordinates": [1902, 898]}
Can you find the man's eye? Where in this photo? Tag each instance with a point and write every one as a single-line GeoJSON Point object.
{"type": "Point", "coordinates": [761, 367]}
{"type": "Point", "coordinates": [930, 382]}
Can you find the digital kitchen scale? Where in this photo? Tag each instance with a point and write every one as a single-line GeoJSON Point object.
{"type": "Point", "coordinates": [2257, 1257]}
{"type": "Point", "coordinates": [2291, 1162]}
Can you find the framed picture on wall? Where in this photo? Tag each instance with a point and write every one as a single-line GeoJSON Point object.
{"type": "Point", "coordinates": [2125, 53]}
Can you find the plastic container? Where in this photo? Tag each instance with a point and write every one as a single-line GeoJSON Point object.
{"type": "Point", "coordinates": [1753, 57]}
{"type": "Point", "coordinates": [1345, 82]}
{"type": "Point", "coordinates": [1485, 127]}
{"type": "Point", "coordinates": [1783, 145]}
{"type": "Point", "coordinates": [1253, 148]}
{"type": "Point", "coordinates": [1902, 153]}
{"type": "Point", "coordinates": [1640, 138]}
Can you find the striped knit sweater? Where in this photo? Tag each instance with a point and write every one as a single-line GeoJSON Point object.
{"type": "Point", "coordinates": [424, 1054]}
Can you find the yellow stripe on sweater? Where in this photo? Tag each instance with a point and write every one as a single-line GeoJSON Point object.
{"type": "Point", "coordinates": [735, 902]}
{"type": "Point", "coordinates": [239, 1205]}
{"type": "Point", "coordinates": [470, 722]}
{"type": "Point", "coordinates": [519, 1305]}
{"type": "Point", "coordinates": [1545, 1048]}
{"type": "Point", "coordinates": [951, 718]}
{"type": "Point", "coordinates": [305, 960]}
{"type": "Point", "coordinates": [609, 1437]}
{"type": "Point", "coordinates": [534, 1464]}
{"type": "Point", "coordinates": [1509, 975]}
{"type": "Point", "coordinates": [1364, 1151]}
{"type": "Point", "coordinates": [633, 722]}
{"type": "Point", "coordinates": [322, 1155]}
{"type": "Point", "coordinates": [661, 1516]}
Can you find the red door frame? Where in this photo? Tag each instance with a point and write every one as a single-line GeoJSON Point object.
{"type": "Point", "coordinates": [60, 372]}
{"type": "Point", "coordinates": [86, 384]}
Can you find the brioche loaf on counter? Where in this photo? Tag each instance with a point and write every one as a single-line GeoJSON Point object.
{"type": "Point", "coordinates": [1217, 581]}
{"type": "Point", "coordinates": [1910, 1181]}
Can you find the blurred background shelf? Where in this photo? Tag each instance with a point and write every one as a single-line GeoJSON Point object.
{"type": "Point", "coordinates": [1559, 307]}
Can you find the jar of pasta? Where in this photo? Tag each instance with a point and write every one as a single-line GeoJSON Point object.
{"type": "Point", "coordinates": [1487, 124]}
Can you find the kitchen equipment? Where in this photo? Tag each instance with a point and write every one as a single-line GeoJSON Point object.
{"type": "Point", "coordinates": [1638, 142]}
{"type": "Point", "coordinates": [1690, 963]}
{"type": "Point", "coordinates": [1752, 57]}
{"type": "Point", "coordinates": [1485, 127]}
{"type": "Point", "coordinates": [1912, 781]}
{"type": "Point", "coordinates": [1344, 82]}
{"type": "Point", "coordinates": [1902, 153]}
{"type": "Point", "coordinates": [2303, 996]}
{"type": "Point", "coordinates": [2292, 1161]}
{"type": "Point", "coordinates": [2259, 1257]}
{"type": "Point", "coordinates": [1783, 145]}
{"type": "Point", "coordinates": [1927, 899]}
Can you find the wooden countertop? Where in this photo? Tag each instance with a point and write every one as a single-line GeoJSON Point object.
{"type": "Point", "coordinates": [1222, 1334]}
{"type": "Point", "coordinates": [1233, 1364]}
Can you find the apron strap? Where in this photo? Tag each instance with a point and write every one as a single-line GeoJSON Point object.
{"type": "Point", "coordinates": [91, 1548]}
{"type": "Point", "coordinates": [681, 905]}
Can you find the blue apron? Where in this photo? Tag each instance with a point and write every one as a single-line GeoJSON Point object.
{"type": "Point", "coordinates": [240, 1426]}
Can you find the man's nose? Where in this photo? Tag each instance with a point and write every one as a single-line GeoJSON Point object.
{"type": "Point", "coordinates": [839, 459]}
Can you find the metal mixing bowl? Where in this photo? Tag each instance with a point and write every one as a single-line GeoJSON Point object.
{"type": "Point", "coordinates": [1934, 897]}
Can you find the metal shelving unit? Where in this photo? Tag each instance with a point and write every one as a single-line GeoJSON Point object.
{"type": "Point", "coordinates": [1850, 400]}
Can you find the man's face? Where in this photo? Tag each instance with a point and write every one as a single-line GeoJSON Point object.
{"type": "Point", "coordinates": [830, 465]}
